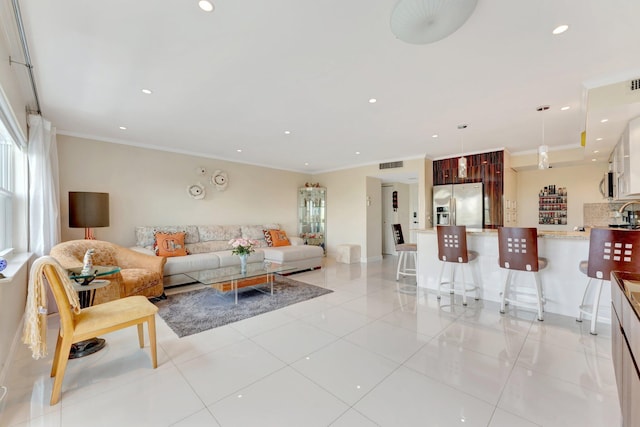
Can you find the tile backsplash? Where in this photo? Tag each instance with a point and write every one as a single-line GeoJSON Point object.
{"type": "Point", "coordinates": [601, 214]}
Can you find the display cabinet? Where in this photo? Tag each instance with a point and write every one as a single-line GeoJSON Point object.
{"type": "Point", "coordinates": [312, 221]}
{"type": "Point", "coordinates": [552, 206]}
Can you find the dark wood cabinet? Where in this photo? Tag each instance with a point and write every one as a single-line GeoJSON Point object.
{"type": "Point", "coordinates": [487, 168]}
{"type": "Point", "coordinates": [625, 343]}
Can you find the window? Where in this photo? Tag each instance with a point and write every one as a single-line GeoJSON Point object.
{"type": "Point", "coordinates": [13, 180]}
{"type": "Point", "coordinates": [7, 148]}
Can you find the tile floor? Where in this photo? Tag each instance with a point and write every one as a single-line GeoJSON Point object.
{"type": "Point", "coordinates": [364, 355]}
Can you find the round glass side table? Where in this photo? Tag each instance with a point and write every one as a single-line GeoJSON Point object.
{"type": "Point", "coordinates": [86, 286]}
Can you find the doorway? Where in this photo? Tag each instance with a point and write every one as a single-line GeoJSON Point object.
{"type": "Point", "coordinates": [388, 218]}
{"type": "Point", "coordinates": [402, 213]}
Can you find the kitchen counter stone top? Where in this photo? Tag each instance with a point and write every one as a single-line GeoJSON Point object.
{"type": "Point", "coordinates": [548, 234]}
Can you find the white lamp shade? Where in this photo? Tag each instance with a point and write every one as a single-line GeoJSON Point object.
{"type": "Point", "coordinates": [427, 21]}
{"type": "Point", "coordinates": [543, 157]}
{"type": "Point", "coordinates": [462, 167]}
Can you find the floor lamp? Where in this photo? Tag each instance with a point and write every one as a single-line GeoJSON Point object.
{"type": "Point", "coordinates": [88, 210]}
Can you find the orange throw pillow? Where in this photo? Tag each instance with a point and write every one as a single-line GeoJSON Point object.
{"type": "Point", "coordinates": [279, 238]}
{"type": "Point", "coordinates": [170, 244]}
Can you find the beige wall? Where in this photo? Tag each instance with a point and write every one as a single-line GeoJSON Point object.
{"type": "Point", "coordinates": [348, 220]}
{"type": "Point", "coordinates": [13, 294]}
{"type": "Point", "coordinates": [148, 187]}
{"type": "Point", "coordinates": [373, 221]}
{"type": "Point", "coordinates": [582, 187]}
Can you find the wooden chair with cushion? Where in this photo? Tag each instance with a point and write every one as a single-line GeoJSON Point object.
{"type": "Point", "coordinates": [404, 249]}
{"type": "Point", "coordinates": [518, 251]}
{"type": "Point", "coordinates": [452, 250]}
{"type": "Point", "coordinates": [609, 250]}
{"type": "Point", "coordinates": [93, 321]}
{"type": "Point", "coordinates": [140, 274]}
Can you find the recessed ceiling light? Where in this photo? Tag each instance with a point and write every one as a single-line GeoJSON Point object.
{"type": "Point", "coordinates": [435, 135]}
{"type": "Point", "coordinates": [205, 5]}
{"type": "Point", "coordinates": [123, 127]}
{"type": "Point", "coordinates": [306, 163]}
{"type": "Point", "coordinates": [593, 160]}
{"type": "Point", "coordinates": [560, 29]}
{"type": "Point", "coordinates": [596, 151]}
{"type": "Point", "coordinates": [372, 101]}
{"type": "Point", "coordinates": [598, 139]}
{"type": "Point", "coordinates": [604, 120]}
{"type": "Point", "coordinates": [565, 108]}
{"type": "Point", "coordinates": [357, 152]}
{"type": "Point", "coordinates": [147, 91]}
{"type": "Point", "coordinates": [239, 150]}
{"type": "Point", "coordinates": [287, 132]}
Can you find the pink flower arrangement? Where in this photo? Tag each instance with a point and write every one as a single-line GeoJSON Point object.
{"type": "Point", "coordinates": [242, 246]}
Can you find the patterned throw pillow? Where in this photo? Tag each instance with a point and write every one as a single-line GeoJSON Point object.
{"type": "Point", "coordinates": [276, 238]}
{"type": "Point", "coordinates": [170, 244]}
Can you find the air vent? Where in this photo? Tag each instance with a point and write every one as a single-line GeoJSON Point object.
{"type": "Point", "coordinates": [392, 165]}
{"type": "Point", "coordinates": [635, 84]}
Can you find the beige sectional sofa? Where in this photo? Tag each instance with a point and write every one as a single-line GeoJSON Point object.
{"type": "Point", "coordinates": [208, 247]}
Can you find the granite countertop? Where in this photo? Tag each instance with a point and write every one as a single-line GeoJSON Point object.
{"type": "Point", "coordinates": [569, 235]}
{"type": "Point", "coordinates": [629, 283]}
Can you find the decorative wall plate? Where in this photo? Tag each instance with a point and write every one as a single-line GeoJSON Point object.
{"type": "Point", "coordinates": [196, 191]}
{"type": "Point", "coordinates": [220, 180]}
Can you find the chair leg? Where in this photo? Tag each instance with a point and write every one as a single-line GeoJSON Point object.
{"type": "Point", "coordinates": [140, 335]}
{"type": "Point", "coordinates": [536, 277]}
{"type": "Point", "coordinates": [464, 286]}
{"type": "Point", "coordinates": [596, 306]}
{"type": "Point", "coordinates": [440, 280]}
{"type": "Point", "coordinates": [151, 325]}
{"type": "Point", "coordinates": [56, 356]}
{"type": "Point", "coordinates": [61, 367]}
{"type": "Point", "coordinates": [584, 297]}
{"type": "Point", "coordinates": [505, 285]}
{"type": "Point", "coordinates": [400, 257]}
{"type": "Point", "coordinates": [415, 263]}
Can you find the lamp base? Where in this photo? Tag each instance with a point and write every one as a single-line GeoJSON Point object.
{"type": "Point", "coordinates": [88, 234]}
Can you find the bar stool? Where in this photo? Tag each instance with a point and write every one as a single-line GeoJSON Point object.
{"type": "Point", "coordinates": [518, 251]}
{"type": "Point", "coordinates": [452, 250]}
{"type": "Point", "coordinates": [404, 249]}
{"type": "Point", "coordinates": [609, 250]}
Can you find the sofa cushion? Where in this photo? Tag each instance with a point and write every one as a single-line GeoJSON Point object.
{"type": "Point", "coordinates": [210, 246]}
{"type": "Point", "coordinates": [145, 234]}
{"type": "Point", "coordinates": [228, 259]}
{"type": "Point", "coordinates": [276, 238]}
{"type": "Point", "coordinates": [170, 244]}
{"type": "Point", "coordinates": [256, 232]}
{"type": "Point", "coordinates": [283, 254]}
{"type": "Point", "coordinates": [218, 232]}
{"type": "Point", "coordinates": [194, 262]}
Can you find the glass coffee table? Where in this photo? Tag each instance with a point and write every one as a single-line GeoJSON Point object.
{"type": "Point", "coordinates": [237, 279]}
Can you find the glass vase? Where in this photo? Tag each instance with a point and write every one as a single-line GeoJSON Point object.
{"type": "Point", "coordinates": [243, 263]}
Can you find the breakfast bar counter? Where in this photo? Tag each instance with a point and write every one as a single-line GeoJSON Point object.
{"type": "Point", "coordinates": [562, 281]}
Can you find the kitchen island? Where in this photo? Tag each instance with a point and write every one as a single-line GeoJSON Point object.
{"type": "Point", "coordinates": [563, 283]}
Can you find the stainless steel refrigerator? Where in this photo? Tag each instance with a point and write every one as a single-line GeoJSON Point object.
{"type": "Point", "coordinates": [458, 204]}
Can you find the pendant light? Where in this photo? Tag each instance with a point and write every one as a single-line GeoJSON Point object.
{"type": "Point", "coordinates": [462, 161]}
{"type": "Point", "coordinates": [543, 150]}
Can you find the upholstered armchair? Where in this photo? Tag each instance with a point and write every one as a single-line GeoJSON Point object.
{"type": "Point", "coordinates": [140, 274]}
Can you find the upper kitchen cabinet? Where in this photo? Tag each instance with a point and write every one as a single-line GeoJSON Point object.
{"type": "Point", "coordinates": [487, 168]}
{"type": "Point", "coordinates": [629, 149]}
{"type": "Point", "coordinates": [613, 126]}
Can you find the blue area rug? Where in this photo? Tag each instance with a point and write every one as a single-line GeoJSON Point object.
{"type": "Point", "coordinates": [191, 312]}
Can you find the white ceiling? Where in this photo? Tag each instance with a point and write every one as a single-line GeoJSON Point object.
{"type": "Point", "coordinates": [238, 77]}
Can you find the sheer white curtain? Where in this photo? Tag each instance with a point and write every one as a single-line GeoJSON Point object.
{"type": "Point", "coordinates": [44, 200]}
